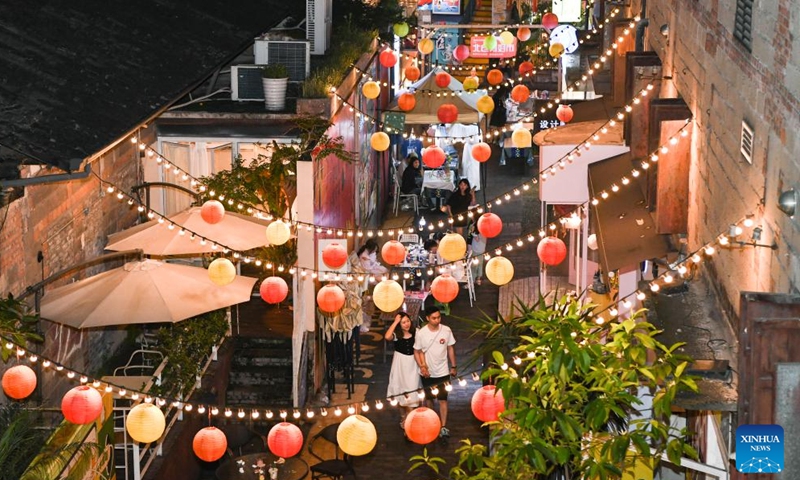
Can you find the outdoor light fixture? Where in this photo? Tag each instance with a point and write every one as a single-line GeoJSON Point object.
{"type": "Point", "coordinates": [664, 30]}
{"type": "Point", "coordinates": [787, 202]}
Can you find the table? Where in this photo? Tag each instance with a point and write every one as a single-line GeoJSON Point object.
{"type": "Point", "coordinates": [294, 469]}
{"type": "Point", "coordinates": [439, 180]}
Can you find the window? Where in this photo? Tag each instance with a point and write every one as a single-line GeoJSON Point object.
{"type": "Point", "coordinates": [742, 29]}
{"type": "Point", "coordinates": [746, 144]}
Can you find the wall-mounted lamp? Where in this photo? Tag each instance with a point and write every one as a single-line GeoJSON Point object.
{"type": "Point", "coordinates": [664, 30]}
{"type": "Point", "coordinates": [787, 202]}
{"type": "Point", "coordinates": [730, 239]}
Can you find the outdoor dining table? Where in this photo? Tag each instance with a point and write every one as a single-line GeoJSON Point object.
{"type": "Point", "coordinates": [436, 182]}
{"type": "Point", "coordinates": [244, 468]}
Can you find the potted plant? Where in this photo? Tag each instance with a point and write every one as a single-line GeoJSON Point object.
{"type": "Point", "coordinates": [274, 78]}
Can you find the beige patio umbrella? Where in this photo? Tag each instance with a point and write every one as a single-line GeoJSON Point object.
{"type": "Point", "coordinates": [235, 231]}
{"type": "Point", "coordinates": [148, 291]}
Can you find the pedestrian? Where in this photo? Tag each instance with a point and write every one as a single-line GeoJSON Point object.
{"type": "Point", "coordinates": [433, 348]}
{"type": "Point", "coordinates": [458, 205]}
{"type": "Point", "coordinates": [478, 248]}
{"type": "Point", "coordinates": [368, 257]}
{"type": "Point", "coordinates": [404, 379]}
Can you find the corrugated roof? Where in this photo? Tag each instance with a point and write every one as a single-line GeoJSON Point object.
{"type": "Point", "coordinates": [76, 75]}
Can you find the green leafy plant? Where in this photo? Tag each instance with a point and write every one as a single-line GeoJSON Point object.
{"type": "Point", "coordinates": [274, 70]}
{"type": "Point", "coordinates": [570, 387]}
{"type": "Point", "coordinates": [16, 324]}
{"type": "Point", "coordinates": [20, 440]}
{"type": "Point", "coordinates": [348, 43]}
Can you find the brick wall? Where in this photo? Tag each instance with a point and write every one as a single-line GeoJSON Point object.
{"type": "Point", "coordinates": [724, 84]}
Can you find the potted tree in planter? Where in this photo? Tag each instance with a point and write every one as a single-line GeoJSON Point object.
{"type": "Point", "coordinates": [274, 78]}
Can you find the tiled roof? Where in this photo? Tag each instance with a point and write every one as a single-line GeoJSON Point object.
{"type": "Point", "coordinates": [76, 75]}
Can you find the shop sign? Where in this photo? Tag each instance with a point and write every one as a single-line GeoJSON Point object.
{"type": "Point", "coordinates": [502, 50]}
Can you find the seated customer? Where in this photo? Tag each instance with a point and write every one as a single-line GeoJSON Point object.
{"type": "Point", "coordinates": [412, 176]}
{"type": "Point", "coordinates": [368, 256]}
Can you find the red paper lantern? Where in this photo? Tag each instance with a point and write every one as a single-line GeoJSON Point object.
{"type": "Point", "coordinates": [525, 68]}
{"type": "Point", "coordinates": [412, 73]}
{"type": "Point", "coordinates": [285, 439]}
{"type": "Point", "coordinates": [490, 225]}
{"type": "Point", "coordinates": [334, 256]}
{"type": "Point", "coordinates": [82, 405]}
{"type": "Point", "coordinates": [330, 299]}
{"type": "Point", "coordinates": [447, 113]}
{"type": "Point", "coordinates": [212, 212]}
{"type": "Point", "coordinates": [481, 151]}
{"type": "Point", "coordinates": [524, 34]}
{"type": "Point", "coordinates": [19, 381]}
{"type": "Point", "coordinates": [273, 290]}
{"type": "Point", "coordinates": [407, 102]}
{"type": "Point", "coordinates": [393, 252]}
{"type": "Point", "coordinates": [387, 58]}
{"type": "Point", "coordinates": [487, 403]}
{"type": "Point", "coordinates": [520, 94]}
{"type": "Point", "coordinates": [550, 20]}
{"type": "Point", "coordinates": [564, 113]}
{"type": "Point", "coordinates": [551, 251]}
{"type": "Point", "coordinates": [461, 53]}
{"type": "Point", "coordinates": [422, 425]}
{"type": "Point", "coordinates": [444, 288]}
{"type": "Point", "coordinates": [209, 444]}
{"type": "Point", "coordinates": [494, 77]}
{"type": "Point", "coordinates": [433, 157]}
{"type": "Point", "coordinates": [442, 79]}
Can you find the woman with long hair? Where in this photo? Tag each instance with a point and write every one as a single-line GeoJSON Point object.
{"type": "Point", "coordinates": [459, 203]}
{"type": "Point", "coordinates": [404, 376]}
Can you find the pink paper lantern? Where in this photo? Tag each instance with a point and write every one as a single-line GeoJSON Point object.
{"type": "Point", "coordinates": [387, 58]}
{"type": "Point", "coordinates": [487, 403]}
{"type": "Point", "coordinates": [285, 440]}
{"type": "Point", "coordinates": [334, 256]}
{"type": "Point", "coordinates": [209, 444]}
{"type": "Point", "coordinates": [212, 212]}
{"type": "Point", "coordinates": [444, 288]}
{"type": "Point", "coordinates": [481, 151]}
{"type": "Point", "coordinates": [461, 53]}
{"type": "Point", "coordinates": [551, 251]}
{"type": "Point", "coordinates": [442, 79]}
{"type": "Point", "coordinates": [550, 20]}
{"type": "Point", "coordinates": [433, 157]}
{"type": "Point", "coordinates": [447, 113]}
{"type": "Point", "coordinates": [82, 405]}
{"type": "Point", "coordinates": [330, 299]}
{"type": "Point", "coordinates": [19, 382]}
{"type": "Point", "coordinates": [490, 225]}
{"type": "Point", "coordinates": [422, 425]}
{"type": "Point", "coordinates": [273, 290]}
{"type": "Point", "coordinates": [564, 113]}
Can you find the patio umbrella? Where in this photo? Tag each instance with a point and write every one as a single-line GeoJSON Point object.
{"type": "Point", "coordinates": [235, 231]}
{"type": "Point", "coordinates": [141, 292]}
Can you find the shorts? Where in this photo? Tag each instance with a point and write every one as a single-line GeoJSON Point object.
{"type": "Point", "coordinates": [429, 382]}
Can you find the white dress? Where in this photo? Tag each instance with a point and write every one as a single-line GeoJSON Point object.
{"type": "Point", "coordinates": [404, 376]}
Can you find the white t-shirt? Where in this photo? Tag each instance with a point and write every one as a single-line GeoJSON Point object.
{"type": "Point", "coordinates": [434, 346]}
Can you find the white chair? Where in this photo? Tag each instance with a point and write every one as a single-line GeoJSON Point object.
{"type": "Point", "coordinates": [405, 238]}
{"type": "Point", "coordinates": [399, 195]}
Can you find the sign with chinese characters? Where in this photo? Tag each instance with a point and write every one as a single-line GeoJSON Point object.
{"type": "Point", "coordinates": [445, 40]}
{"type": "Point", "coordinates": [568, 11]}
{"type": "Point", "coordinates": [501, 50]}
{"type": "Point", "coordinates": [547, 119]}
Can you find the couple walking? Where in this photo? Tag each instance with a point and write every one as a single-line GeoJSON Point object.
{"type": "Point", "coordinates": [423, 358]}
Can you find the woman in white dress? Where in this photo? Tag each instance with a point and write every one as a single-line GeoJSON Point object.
{"type": "Point", "coordinates": [404, 376]}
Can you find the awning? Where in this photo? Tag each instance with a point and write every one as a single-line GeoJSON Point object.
{"type": "Point", "coordinates": [626, 233]}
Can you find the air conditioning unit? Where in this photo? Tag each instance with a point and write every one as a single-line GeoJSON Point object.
{"type": "Point", "coordinates": [319, 17]}
{"type": "Point", "coordinates": [246, 83]}
{"type": "Point", "coordinates": [295, 54]}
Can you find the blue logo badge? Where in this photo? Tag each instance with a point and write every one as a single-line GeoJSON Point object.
{"type": "Point", "coordinates": [759, 448]}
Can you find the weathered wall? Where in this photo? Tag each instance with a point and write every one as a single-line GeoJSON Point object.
{"type": "Point", "coordinates": [724, 84]}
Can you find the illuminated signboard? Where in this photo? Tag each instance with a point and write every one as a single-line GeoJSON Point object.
{"type": "Point", "coordinates": [441, 7]}
{"type": "Point", "coordinates": [502, 50]}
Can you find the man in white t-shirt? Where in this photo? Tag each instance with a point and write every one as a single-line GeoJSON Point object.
{"type": "Point", "coordinates": [433, 347]}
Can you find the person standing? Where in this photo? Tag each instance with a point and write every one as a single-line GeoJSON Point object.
{"type": "Point", "coordinates": [433, 349]}
{"type": "Point", "coordinates": [404, 376]}
{"type": "Point", "coordinates": [459, 203]}
{"type": "Point", "coordinates": [477, 249]}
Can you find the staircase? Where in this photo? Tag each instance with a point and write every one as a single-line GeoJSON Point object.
{"type": "Point", "coordinates": [261, 373]}
{"type": "Point", "coordinates": [482, 15]}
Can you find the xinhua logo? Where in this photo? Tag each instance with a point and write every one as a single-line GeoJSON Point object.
{"type": "Point", "coordinates": [759, 448]}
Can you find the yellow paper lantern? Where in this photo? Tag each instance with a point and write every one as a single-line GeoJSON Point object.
{"type": "Point", "coordinates": [521, 138]}
{"type": "Point", "coordinates": [556, 49]}
{"type": "Point", "coordinates": [499, 270]}
{"type": "Point", "coordinates": [379, 141]}
{"type": "Point", "coordinates": [221, 271]}
{"type": "Point", "coordinates": [371, 90]}
{"type": "Point", "coordinates": [485, 104]}
{"type": "Point", "coordinates": [356, 435]}
{"type": "Point", "coordinates": [471, 83]}
{"type": "Point", "coordinates": [507, 38]}
{"type": "Point", "coordinates": [452, 247]}
{"type": "Point", "coordinates": [425, 46]}
{"type": "Point", "coordinates": [388, 296]}
{"type": "Point", "coordinates": [145, 423]}
{"type": "Point", "coordinates": [278, 233]}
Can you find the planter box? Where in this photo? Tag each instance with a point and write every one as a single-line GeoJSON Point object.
{"type": "Point", "coordinates": [318, 107]}
{"type": "Point", "coordinates": [275, 93]}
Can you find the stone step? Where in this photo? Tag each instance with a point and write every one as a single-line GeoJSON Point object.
{"type": "Point", "coordinates": [266, 376]}
{"type": "Point", "coordinates": [262, 342]}
{"type": "Point", "coordinates": [251, 395]}
{"type": "Point", "coordinates": [262, 357]}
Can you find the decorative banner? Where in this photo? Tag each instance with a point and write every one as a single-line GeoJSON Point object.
{"type": "Point", "coordinates": [445, 40]}
{"type": "Point", "coordinates": [441, 7]}
{"type": "Point", "coordinates": [501, 50]}
{"type": "Point", "coordinates": [394, 122]}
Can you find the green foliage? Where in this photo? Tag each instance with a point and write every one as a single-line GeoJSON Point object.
{"type": "Point", "coordinates": [274, 70]}
{"type": "Point", "coordinates": [186, 344]}
{"type": "Point", "coordinates": [570, 394]}
{"type": "Point", "coordinates": [348, 43]}
{"type": "Point", "coordinates": [367, 16]}
{"type": "Point", "coordinates": [89, 457]}
{"type": "Point", "coordinates": [16, 324]}
{"type": "Point", "coordinates": [20, 440]}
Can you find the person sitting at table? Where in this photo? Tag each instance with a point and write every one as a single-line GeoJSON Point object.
{"type": "Point", "coordinates": [368, 256]}
{"type": "Point", "coordinates": [432, 247]}
{"type": "Point", "coordinates": [459, 203]}
{"type": "Point", "coordinates": [412, 176]}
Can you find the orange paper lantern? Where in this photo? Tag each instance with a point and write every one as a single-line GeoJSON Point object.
{"type": "Point", "coordinates": [521, 138]}
{"type": "Point", "coordinates": [209, 444]}
{"type": "Point", "coordinates": [487, 403]}
{"type": "Point", "coordinates": [442, 79]}
{"type": "Point", "coordinates": [550, 20]}
{"type": "Point", "coordinates": [481, 151]}
{"type": "Point", "coordinates": [379, 141]}
{"type": "Point", "coordinates": [425, 46]}
{"type": "Point", "coordinates": [371, 89]}
{"type": "Point", "coordinates": [564, 113]}
{"type": "Point", "coordinates": [19, 381]}
{"type": "Point", "coordinates": [551, 251]}
{"type": "Point", "coordinates": [212, 212]}
{"type": "Point", "coordinates": [520, 94]}
{"type": "Point", "coordinates": [485, 105]}
{"type": "Point", "coordinates": [556, 50]}
{"type": "Point", "coordinates": [334, 256]}
{"type": "Point", "coordinates": [490, 225]}
{"type": "Point", "coordinates": [407, 102]}
{"type": "Point", "coordinates": [444, 288]}
{"type": "Point", "coordinates": [330, 299]}
{"type": "Point", "coordinates": [525, 68]}
{"type": "Point", "coordinates": [412, 73]}
{"type": "Point", "coordinates": [82, 405]}
{"type": "Point", "coordinates": [387, 58]}
{"type": "Point", "coordinates": [461, 53]}
{"type": "Point", "coordinates": [524, 34]}
{"type": "Point", "coordinates": [393, 252]}
{"type": "Point", "coordinates": [452, 247]}
{"type": "Point", "coordinates": [433, 157]}
{"type": "Point", "coordinates": [273, 290]}
{"type": "Point", "coordinates": [285, 439]}
{"type": "Point", "coordinates": [447, 113]}
{"type": "Point", "coordinates": [494, 77]}
{"type": "Point", "coordinates": [422, 425]}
